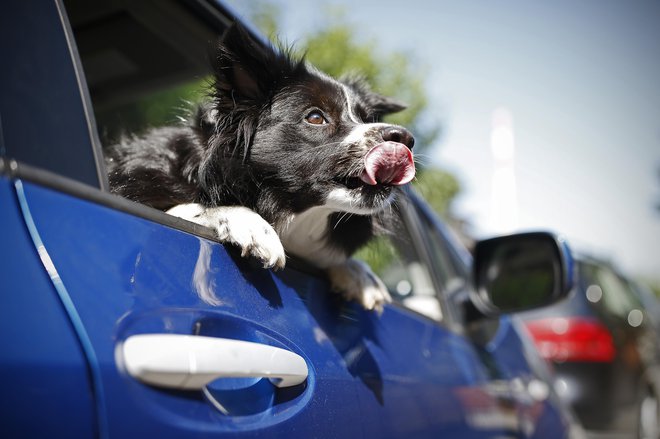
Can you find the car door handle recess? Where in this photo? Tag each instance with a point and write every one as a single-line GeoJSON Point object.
{"type": "Point", "coordinates": [191, 361]}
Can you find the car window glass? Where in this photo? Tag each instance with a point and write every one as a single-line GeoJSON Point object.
{"type": "Point", "coordinates": [394, 259]}
{"type": "Point", "coordinates": [44, 119]}
{"type": "Point", "coordinates": [445, 265]}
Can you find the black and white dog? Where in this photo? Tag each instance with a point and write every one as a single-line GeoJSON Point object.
{"type": "Point", "coordinates": [281, 158]}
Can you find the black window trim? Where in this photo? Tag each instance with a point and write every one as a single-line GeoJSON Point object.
{"type": "Point", "coordinates": [16, 170]}
{"type": "Point", "coordinates": [86, 101]}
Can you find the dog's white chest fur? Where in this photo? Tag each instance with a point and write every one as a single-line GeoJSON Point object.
{"type": "Point", "coordinates": [305, 236]}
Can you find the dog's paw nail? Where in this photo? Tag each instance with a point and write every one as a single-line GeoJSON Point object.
{"type": "Point", "coordinates": [271, 252]}
{"type": "Point", "coordinates": [276, 263]}
{"type": "Point", "coordinates": [280, 263]}
{"type": "Point", "coordinates": [374, 298]}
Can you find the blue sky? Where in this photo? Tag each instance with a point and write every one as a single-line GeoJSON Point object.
{"type": "Point", "coordinates": [581, 80]}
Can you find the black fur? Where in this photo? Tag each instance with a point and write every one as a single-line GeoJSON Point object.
{"type": "Point", "coordinates": [249, 145]}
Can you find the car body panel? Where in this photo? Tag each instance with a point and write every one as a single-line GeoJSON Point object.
{"type": "Point", "coordinates": [405, 374]}
{"type": "Point", "coordinates": [44, 369]}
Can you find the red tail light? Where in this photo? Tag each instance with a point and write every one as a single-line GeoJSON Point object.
{"type": "Point", "coordinates": [572, 339]}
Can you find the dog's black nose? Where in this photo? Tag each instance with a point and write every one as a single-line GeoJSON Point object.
{"type": "Point", "coordinates": [398, 134]}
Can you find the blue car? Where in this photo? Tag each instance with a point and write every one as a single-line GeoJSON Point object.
{"type": "Point", "coordinates": [120, 321]}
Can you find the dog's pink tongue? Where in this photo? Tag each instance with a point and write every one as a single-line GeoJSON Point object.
{"type": "Point", "coordinates": [388, 163]}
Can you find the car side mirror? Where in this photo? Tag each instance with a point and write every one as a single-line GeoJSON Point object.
{"type": "Point", "coordinates": [519, 272]}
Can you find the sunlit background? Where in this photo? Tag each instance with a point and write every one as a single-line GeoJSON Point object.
{"type": "Point", "coordinates": [550, 111]}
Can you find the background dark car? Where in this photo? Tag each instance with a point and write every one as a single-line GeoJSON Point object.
{"type": "Point", "coordinates": [92, 284]}
{"type": "Point", "coordinates": [604, 345]}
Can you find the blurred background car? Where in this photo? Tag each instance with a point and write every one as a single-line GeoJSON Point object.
{"type": "Point", "coordinates": [604, 345]}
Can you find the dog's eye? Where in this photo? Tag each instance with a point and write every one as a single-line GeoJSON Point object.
{"type": "Point", "coordinates": [316, 118]}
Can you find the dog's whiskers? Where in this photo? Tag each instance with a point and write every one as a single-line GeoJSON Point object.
{"type": "Point", "coordinates": [421, 159]}
{"type": "Point", "coordinates": [346, 215]}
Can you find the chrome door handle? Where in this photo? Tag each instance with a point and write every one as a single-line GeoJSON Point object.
{"type": "Point", "coordinates": [191, 361]}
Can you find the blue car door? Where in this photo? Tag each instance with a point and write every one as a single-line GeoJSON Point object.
{"type": "Point", "coordinates": [122, 275]}
{"type": "Point", "coordinates": [369, 375]}
{"type": "Point", "coordinates": [43, 365]}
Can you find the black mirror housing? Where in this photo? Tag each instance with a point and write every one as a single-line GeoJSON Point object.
{"type": "Point", "coordinates": [520, 272]}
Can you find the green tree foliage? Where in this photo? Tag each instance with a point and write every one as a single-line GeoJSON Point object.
{"type": "Point", "coordinates": [167, 107]}
{"type": "Point", "coordinates": [654, 285]}
{"type": "Point", "coordinates": [438, 187]}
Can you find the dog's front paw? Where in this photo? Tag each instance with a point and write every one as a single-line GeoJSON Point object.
{"type": "Point", "coordinates": [355, 281]}
{"type": "Point", "coordinates": [241, 227]}
{"type": "Point", "coordinates": [249, 231]}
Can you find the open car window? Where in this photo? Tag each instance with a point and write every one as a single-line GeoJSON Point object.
{"type": "Point", "coordinates": [395, 259]}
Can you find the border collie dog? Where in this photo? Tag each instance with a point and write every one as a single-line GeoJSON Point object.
{"type": "Point", "coordinates": [281, 158]}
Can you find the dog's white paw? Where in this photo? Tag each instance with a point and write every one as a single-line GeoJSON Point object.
{"type": "Point", "coordinates": [355, 281]}
{"type": "Point", "coordinates": [239, 226]}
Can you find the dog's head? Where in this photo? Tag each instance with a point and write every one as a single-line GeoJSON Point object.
{"type": "Point", "coordinates": [303, 138]}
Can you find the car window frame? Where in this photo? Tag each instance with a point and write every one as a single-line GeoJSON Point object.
{"type": "Point", "coordinates": [83, 89]}
{"type": "Point", "coordinates": [412, 208]}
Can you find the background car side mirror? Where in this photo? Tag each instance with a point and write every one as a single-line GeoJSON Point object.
{"type": "Point", "coordinates": [519, 272]}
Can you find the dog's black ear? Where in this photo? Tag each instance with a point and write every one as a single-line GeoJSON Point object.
{"type": "Point", "coordinates": [384, 105]}
{"type": "Point", "coordinates": [247, 68]}
{"type": "Point", "coordinates": [380, 105]}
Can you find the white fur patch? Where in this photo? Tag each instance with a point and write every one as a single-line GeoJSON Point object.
{"type": "Point", "coordinates": [305, 236]}
{"type": "Point", "coordinates": [187, 211]}
{"type": "Point", "coordinates": [355, 281]}
{"type": "Point", "coordinates": [349, 104]}
{"type": "Point", "coordinates": [358, 134]}
{"type": "Point", "coordinates": [239, 226]}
